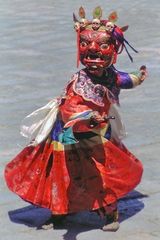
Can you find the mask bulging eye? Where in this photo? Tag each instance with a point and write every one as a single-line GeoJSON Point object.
{"type": "Point", "coordinates": [104, 46]}
{"type": "Point", "coordinates": [84, 44]}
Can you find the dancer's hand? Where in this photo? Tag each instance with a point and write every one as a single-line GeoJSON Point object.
{"type": "Point", "coordinates": [96, 119]}
{"type": "Point", "coordinates": [143, 73]}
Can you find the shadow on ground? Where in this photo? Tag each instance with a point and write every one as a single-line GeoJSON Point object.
{"type": "Point", "coordinates": [33, 216]}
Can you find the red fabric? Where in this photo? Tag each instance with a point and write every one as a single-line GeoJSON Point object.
{"type": "Point", "coordinates": [87, 175]}
{"type": "Point", "coordinates": [75, 104]}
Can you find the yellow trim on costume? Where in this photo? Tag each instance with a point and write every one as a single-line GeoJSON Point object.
{"type": "Point", "coordinates": [79, 115]}
{"type": "Point", "coordinates": [101, 131]}
{"type": "Point", "coordinates": [57, 146]}
{"type": "Point", "coordinates": [135, 80]}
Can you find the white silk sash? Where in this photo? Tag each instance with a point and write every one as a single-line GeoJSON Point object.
{"type": "Point", "coordinates": [37, 125]}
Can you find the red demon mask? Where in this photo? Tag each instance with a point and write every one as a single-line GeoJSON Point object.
{"type": "Point", "coordinates": [99, 41]}
{"type": "Point", "coordinates": [96, 49]}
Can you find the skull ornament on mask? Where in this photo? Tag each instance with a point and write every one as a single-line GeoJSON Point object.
{"type": "Point", "coordinates": [96, 24]}
{"type": "Point", "coordinates": [109, 27]}
{"type": "Point", "coordinates": [83, 23]}
{"type": "Point", "coordinates": [96, 49]}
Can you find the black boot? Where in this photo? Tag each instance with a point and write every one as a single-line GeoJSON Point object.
{"type": "Point", "coordinates": [111, 223]}
{"type": "Point", "coordinates": [53, 221]}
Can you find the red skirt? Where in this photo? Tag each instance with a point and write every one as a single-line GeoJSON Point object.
{"type": "Point", "coordinates": [88, 175]}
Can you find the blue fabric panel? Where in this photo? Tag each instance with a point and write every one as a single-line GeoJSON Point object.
{"type": "Point", "coordinates": [57, 129]}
